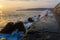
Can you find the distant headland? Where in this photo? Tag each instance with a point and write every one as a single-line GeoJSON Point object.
{"type": "Point", "coordinates": [35, 9]}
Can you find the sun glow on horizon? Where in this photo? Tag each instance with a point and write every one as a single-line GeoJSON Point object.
{"type": "Point", "coordinates": [1, 6]}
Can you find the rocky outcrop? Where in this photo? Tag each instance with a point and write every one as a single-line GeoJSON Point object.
{"type": "Point", "coordinates": [56, 11]}
{"type": "Point", "coordinates": [57, 8]}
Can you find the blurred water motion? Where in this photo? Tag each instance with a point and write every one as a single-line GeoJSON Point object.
{"type": "Point", "coordinates": [3, 21]}
{"type": "Point", "coordinates": [14, 16]}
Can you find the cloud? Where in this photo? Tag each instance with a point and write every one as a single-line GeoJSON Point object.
{"type": "Point", "coordinates": [30, 3]}
{"type": "Point", "coordinates": [22, 0]}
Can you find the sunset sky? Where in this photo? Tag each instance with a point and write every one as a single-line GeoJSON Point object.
{"type": "Point", "coordinates": [6, 6]}
{"type": "Point", "coordinates": [28, 3]}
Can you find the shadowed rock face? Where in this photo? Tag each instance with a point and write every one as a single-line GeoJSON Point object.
{"type": "Point", "coordinates": [57, 13]}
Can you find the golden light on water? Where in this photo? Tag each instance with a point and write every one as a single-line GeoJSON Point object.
{"type": "Point", "coordinates": [3, 22]}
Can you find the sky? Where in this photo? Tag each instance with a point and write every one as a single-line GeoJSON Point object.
{"type": "Point", "coordinates": [28, 3]}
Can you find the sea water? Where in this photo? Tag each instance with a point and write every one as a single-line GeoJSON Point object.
{"type": "Point", "coordinates": [14, 16]}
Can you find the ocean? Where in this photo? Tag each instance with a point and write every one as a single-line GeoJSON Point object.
{"type": "Point", "coordinates": [14, 16]}
{"type": "Point", "coordinates": [21, 15]}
